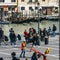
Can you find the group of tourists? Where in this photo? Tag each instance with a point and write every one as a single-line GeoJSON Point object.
{"type": "Point", "coordinates": [31, 36]}
{"type": "Point", "coordinates": [12, 37]}
{"type": "Point", "coordinates": [34, 37]}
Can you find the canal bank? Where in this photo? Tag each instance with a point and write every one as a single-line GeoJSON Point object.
{"type": "Point", "coordinates": [19, 28]}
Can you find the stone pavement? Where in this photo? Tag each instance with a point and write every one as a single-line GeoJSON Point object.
{"type": "Point", "coordinates": [5, 51]}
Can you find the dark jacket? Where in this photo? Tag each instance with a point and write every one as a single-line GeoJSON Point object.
{"type": "Point", "coordinates": [12, 37]}
{"type": "Point", "coordinates": [1, 33]}
{"type": "Point", "coordinates": [34, 57]}
{"type": "Point", "coordinates": [14, 58]}
{"type": "Point", "coordinates": [54, 28]}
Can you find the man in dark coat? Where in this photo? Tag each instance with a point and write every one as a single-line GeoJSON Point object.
{"type": "Point", "coordinates": [1, 35]}
{"type": "Point", "coordinates": [12, 38]}
{"type": "Point", "coordinates": [11, 30]}
{"type": "Point", "coordinates": [34, 56]}
{"type": "Point", "coordinates": [54, 29]}
{"type": "Point", "coordinates": [13, 54]}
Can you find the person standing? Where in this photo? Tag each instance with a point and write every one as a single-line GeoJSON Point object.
{"type": "Point", "coordinates": [54, 29]}
{"type": "Point", "coordinates": [49, 30]}
{"type": "Point", "coordinates": [26, 35]}
{"type": "Point", "coordinates": [11, 30]}
{"type": "Point", "coordinates": [1, 35]}
{"type": "Point", "coordinates": [23, 48]}
{"type": "Point", "coordinates": [12, 38]}
{"type": "Point", "coordinates": [46, 39]}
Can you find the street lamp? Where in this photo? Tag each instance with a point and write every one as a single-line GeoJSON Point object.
{"type": "Point", "coordinates": [38, 4]}
{"type": "Point", "coordinates": [17, 5]}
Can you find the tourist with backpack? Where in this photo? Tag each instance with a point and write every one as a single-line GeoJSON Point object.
{"type": "Point", "coordinates": [23, 48]}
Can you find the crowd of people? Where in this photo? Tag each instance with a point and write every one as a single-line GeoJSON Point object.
{"type": "Point", "coordinates": [30, 37]}
{"type": "Point", "coordinates": [33, 36]}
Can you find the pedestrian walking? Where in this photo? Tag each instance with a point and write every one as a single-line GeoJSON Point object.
{"type": "Point", "coordinates": [13, 54]}
{"type": "Point", "coordinates": [23, 48]}
{"type": "Point", "coordinates": [34, 56]}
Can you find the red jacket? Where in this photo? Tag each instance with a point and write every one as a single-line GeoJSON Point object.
{"type": "Point", "coordinates": [26, 34]}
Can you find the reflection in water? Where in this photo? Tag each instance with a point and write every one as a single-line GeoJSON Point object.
{"type": "Point", "coordinates": [19, 28]}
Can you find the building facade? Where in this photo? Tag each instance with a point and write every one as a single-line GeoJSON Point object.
{"type": "Point", "coordinates": [29, 8]}
{"type": "Point", "coordinates": [7, 6]}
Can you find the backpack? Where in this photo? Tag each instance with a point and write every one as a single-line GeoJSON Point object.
{"type": "Point", "coordinates": [24, 44]}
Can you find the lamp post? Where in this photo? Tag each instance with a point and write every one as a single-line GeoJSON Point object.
{"type": "Point", "coordinates": [17, 5]}
{"type": "Point", "coordinates": [38, 4]}
{"type": "Point", "coordinates": [32, 13]}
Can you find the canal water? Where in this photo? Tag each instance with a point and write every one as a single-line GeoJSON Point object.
{"type": "Point", "coordinates": [19, 28]}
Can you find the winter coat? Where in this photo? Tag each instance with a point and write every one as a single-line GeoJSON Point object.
{"type": "Point", "coordinates": [12, 37]}
{"type": "Point", "coordinates": [34, 57]}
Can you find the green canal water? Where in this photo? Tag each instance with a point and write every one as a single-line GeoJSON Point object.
{"type": "Point", "coordinates": [19, 28]}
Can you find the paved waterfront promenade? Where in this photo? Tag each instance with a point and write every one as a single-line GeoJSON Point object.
{"type": "Point", "coordinates": [5, 51]}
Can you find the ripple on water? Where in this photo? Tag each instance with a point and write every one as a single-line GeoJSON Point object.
{"type": "Point", "coordinates": [19, 28]}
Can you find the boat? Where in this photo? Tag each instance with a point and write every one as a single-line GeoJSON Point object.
{"type": "Point", "coordinates": [5, 22]}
